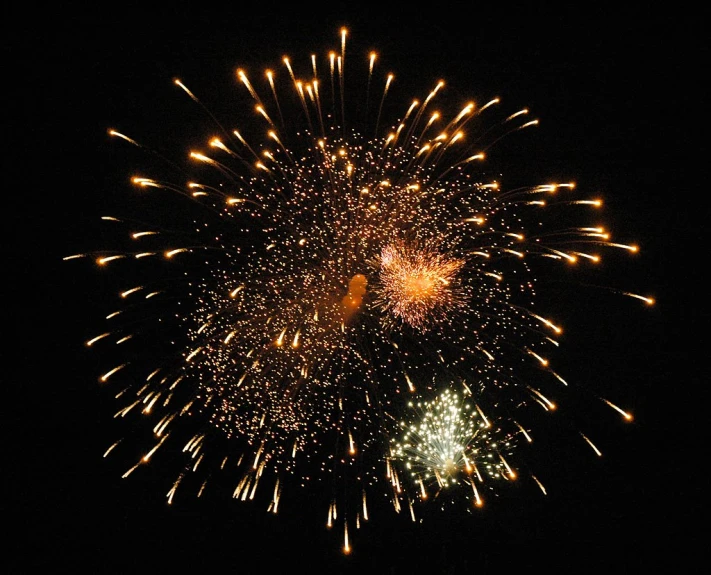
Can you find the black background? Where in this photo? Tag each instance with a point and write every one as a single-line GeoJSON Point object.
{"type": "Point", "coordinates": [620, 98]}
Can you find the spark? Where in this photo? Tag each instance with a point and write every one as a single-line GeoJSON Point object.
{"type": "Point", "coordinates": [111, 372]}
{"type": "Point", "coordinates": [591, 444]}
{"type": "Point", "coordinates": [627, 415]}
{"type": "Point", "coordinates": [93, 340]}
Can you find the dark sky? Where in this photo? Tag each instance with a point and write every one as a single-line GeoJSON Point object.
{"type": "Point", "coordinates": [619, 99]}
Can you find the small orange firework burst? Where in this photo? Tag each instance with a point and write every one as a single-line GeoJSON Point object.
{"type": "Point", "coordinates": [418, 284]}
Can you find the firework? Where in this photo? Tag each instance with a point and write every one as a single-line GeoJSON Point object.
{"type": "Point", "coordinates": [284, 294]}
{"type": "Point", "coordinates": [450, 442]}
{"type": "Point", "coordinates": [418, 284]}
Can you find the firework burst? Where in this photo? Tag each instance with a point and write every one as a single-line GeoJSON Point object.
{"type": "Point", "coordinates": [450, 442]}
{"type": "Point", "coordinates": [286, 298]}
{"type": "Point", "coordinates": [418, 285]}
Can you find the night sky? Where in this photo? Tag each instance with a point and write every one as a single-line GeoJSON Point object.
{"type": "Point", "coordinates": [619, 101]}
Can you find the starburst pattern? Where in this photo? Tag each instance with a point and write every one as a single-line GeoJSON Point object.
{"type": "Point", "coordinates": [418, 284]}
{"type": "Point", "coordinates": [450, 442]}
{"type": "Point", "coordinates": [286, 298]}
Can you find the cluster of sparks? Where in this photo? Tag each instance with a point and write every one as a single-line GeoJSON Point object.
{"type": "Point", "coordinates": [331, 275]}
{"type": "Point", "coordinates": [448, 442]}
{"type": "Point", "coordinates": [417, 284]}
